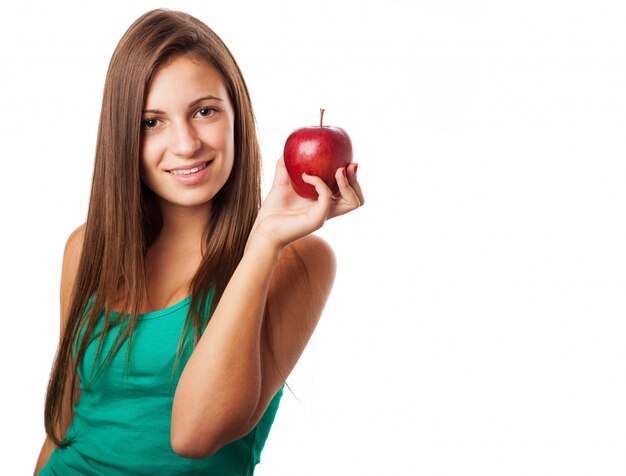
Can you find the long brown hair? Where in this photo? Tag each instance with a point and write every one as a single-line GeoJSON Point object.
{"type": "Point", "coordinates": [123, 217]}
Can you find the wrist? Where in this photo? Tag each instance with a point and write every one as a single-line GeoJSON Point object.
{"type": "Point", "coordinates": [260, 244]}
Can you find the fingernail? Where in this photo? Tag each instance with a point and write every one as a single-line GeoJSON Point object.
{"type": "Point", "coordinates": [356, 166]}
{"type": "Point", "coordinates": [343, 171]}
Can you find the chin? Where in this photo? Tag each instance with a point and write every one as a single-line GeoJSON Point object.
{"type": "Point", "coordinates": [193, 199]}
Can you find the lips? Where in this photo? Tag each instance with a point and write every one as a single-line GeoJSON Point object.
{"type": "Point", "coordinates": [190, 170]}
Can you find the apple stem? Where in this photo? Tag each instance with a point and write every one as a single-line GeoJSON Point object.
{"type": "Point", "coordinates": [321, 116]}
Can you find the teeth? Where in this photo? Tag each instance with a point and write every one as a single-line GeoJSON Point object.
{"type": "Point", "coordinates": [189, 171]}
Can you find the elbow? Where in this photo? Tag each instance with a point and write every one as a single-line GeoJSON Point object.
{"type": "Point", "coordinates": [202, 443]}
{"type": "Point", "coordinates": [199, 430]}
{"type": "Point", "coordinates": [198, 447]}
{"type": "Point", "coordinates": [194, 449]}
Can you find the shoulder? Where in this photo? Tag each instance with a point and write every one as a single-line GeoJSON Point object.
{"type": "Point", "coordinates": [315, 252]}
{"type": "Point", "coordinates": [72, 252]}
{"type": "Point", "coordinates": [74, 242]}
{"type": "Point", "coordinates": [302, 282]}
{"type": "Point", "coordinates": [69, 270]}
{"type": "Point", "coordinates": [309, 258]}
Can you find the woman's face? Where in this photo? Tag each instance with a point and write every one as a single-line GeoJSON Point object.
{"type": "Point", "coordinates": [188, 147]}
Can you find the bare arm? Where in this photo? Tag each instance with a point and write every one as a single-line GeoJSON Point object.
{"type": "Point", "coordinates": [71, 258]}
{"type": "Point", "coordinates": [231, 377]}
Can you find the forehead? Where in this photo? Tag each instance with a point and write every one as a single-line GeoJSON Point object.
{"type": "Point", "coordinates": [184, 78]}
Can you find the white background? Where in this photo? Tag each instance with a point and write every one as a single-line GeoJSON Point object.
{"type": "Point", "coordinates": [477, 320]}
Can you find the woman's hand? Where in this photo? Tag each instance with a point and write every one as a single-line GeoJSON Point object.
{"type": "Point", "coordinates": [285, 216]}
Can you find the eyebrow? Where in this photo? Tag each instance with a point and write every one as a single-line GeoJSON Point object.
{"type": "Point", "coordinates": [191, 104]}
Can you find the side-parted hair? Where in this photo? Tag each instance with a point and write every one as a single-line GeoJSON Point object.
{"type": "Point", "coordinates": [123, 217]}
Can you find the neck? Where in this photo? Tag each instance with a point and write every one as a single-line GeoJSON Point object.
{"type": "Point", "coordinates": [183, 227]}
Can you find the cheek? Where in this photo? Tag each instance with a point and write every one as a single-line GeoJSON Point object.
{"type": "Point", "coordinates": [229, 141]}
{"type": "Point", "coordinates": [149, 155]}
{"type": "Point", "coordinates": [147, 160]}
{"type": "Point", "coordinates": [222, 139]}
{"type": "Point", "coordinates": [229, 148]}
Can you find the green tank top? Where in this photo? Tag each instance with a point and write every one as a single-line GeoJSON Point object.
{"type": "Point", "coordinates": [122, 420]}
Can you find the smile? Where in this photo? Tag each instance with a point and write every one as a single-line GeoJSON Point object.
{"type": "Point", "coordinates": [190, 171]}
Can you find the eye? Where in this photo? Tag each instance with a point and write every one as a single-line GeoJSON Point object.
{"type": "Point", "coordinates": [150, 123]}
{"type": "Point", "coordinates": [206, 111]}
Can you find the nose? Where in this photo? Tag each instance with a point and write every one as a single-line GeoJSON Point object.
{"type": "Point", "coordinates": [185, 141]}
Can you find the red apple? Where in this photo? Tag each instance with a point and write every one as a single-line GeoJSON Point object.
{"type": "Point", "coordinates": [316, 151]}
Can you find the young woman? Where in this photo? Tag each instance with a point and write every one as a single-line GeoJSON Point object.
{"type": "Point", "coordinates": [185, 302]}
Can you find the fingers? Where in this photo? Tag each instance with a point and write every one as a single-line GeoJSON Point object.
{"type": "Point", "coordinates": [347, 193]}
{"type": "Point", "coordinates": [324, 199]}
{"type": "Point", "coordinates": [281, 176]}
{"type": "Point", "coordinates": [354, 183]}
{"type": "Point", "coordinates": [350, 196]}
